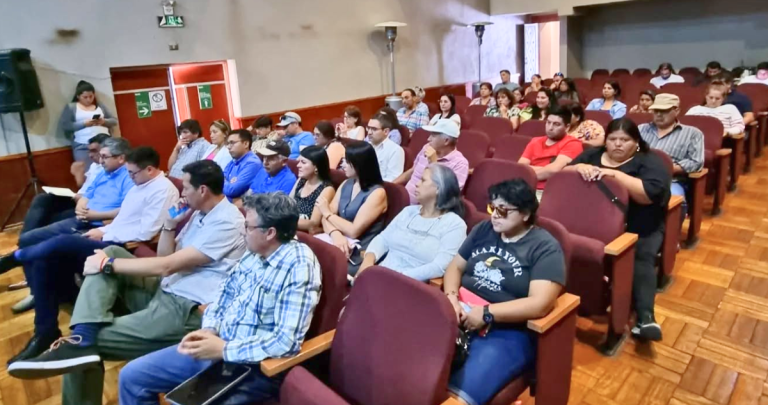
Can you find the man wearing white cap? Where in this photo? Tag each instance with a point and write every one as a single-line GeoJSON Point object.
{"type": "Point", "coordinates": [295, 137]}
{"type": "Point", "coordinates": [441, 148]}
{"type": "Point", "coordinates": [683, 143]}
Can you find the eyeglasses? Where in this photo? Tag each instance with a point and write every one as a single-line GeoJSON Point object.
{"type": "Point", "coordinates": [133, 174]}
{"type": "Point", "coordinates": [372, 129]}
{"type": "Point", "coordinates": [503, 212]}
{"type": "Point", "coordinates": [104, 157]}
{"type": "Point", "coordinates": [233, 143]}
{"type": "Point", "coordinates": [251, 228]}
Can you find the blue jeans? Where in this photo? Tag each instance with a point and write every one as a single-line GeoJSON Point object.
{"type": "Point", "coordinates": [504, 354]}
{"type": "Point", "coordinates": [50, 267]}
{"type": "Point", "coordinates": [680, 188]}
{"type": "Point", "coordinates": [47, 209]}
{"type": "Point", "coordinates": [63, 227]}
{"type": "Point", "coordinates": [143, 379]}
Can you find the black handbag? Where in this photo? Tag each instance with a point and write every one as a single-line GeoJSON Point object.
{"type": "Point", "coordinates": [462, 349]}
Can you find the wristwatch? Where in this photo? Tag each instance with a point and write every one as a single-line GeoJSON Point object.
{"type": "Point", "coordinates": [487, 315]}
{"type": "Point", "coordinates": [109, 267]}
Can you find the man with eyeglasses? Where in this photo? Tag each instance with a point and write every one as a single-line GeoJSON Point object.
{"type": "Point", "coordinates": [296, 138]}
{"type": "Point", "coordinates": [683, 143]}
{"type": "Point", "coordinates": [164, 295]}
{"type": "Point", "coordinates": [243, 167]}
{"type": "Point", "coordinates": [52, 264]}
{"type": "Point", "coordinates": [390, 155]}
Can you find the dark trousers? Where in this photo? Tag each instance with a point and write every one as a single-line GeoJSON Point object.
{"type": "Point", "coordinates": [644, 282]}
{"type": "Point", "coordinates": [50, 267]}
{"type": "Point", "coordinates": [47, 209]}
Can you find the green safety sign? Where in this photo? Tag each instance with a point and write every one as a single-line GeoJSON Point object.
{"type": "Point", "coordinates": [143, 107]}
{"type": "Point", "coordinates": [204, 94]}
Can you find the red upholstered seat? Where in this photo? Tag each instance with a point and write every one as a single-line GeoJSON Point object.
{"type": "Point", "coordinates": [672, 222]}
{"type": "Point", "coordinates": [716, 159]}
{"type": "Point", "coordinates": [293, 164]}
{"type": "Point", "coordinates": [405, 136]}
{"type": "Point", "coordinates": [372, 359]}
{"type": "Point", "coordinates": [642, 73]}
{"type": "Point", "coordinates": [532, 128]}
{"type": "Point", "coordinates": [639, 118]}
{"type": "Point", "coordinates": [333, 268]}
{"type": "Point", "coordinates": [493, 171]}
{"type": "Point", "coordinates": [397, 199]}
{"type": "Point", "coordinates": [619, 73]}
{"type": "Point", "coordinates": [177, 182]}
{"type": "Point", "coordinates": [472, 216]}
{"type": "Point", "coordinates": [600, 74]}
{"type": "Point", "coordinates": [494, 127]}
{"type": "Point", "coordinates": [510, 147]}
{"type": "Point", "coordinates": [337, 177]}
{"type": "Point", "coordinates": [601, 117]}
{"type": "Point", "coordinates": [472, 115]}
{"type": "Point", "coordinates": [419, 138]}
{"type": "Point", "coordinates": [598, 251]}
{"type": "Point", "coordinates": [474, 145]}
{"type": "Point", "coordinates": [462, 102]}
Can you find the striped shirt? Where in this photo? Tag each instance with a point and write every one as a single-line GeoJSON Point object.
{"type": "Point", "coordinates": [414, 119]}
{"type": "Point", "coordinates": [192, 152]}
{"type": "Point", "coordinates": [265, 306]}
{"type": "Point", "coordinates": [728, 114]}
{"type": "Point", "coordinates": [685, 145]}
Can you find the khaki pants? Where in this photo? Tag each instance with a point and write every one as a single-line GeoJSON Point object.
{"type": "Point", "coordinates": [157, 320]}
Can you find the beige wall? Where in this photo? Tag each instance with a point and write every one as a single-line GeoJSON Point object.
{"type": "Point", "coordinates": [549, 49]}
{"type": "Point", "coordinates": [562, 7]}
{"type": "Point", "coordinates": [289, 53]}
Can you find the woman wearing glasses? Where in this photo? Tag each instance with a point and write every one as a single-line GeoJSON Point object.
{"type": "Point", "coordinates": [423, 238]}
{"type": "Point", "coordinates": [352, 127]}
{"type": "Point", "coordinates": [507, 271]}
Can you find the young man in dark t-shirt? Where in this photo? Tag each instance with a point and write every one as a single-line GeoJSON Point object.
{"type": "Point", "coordinates": [739, 100]}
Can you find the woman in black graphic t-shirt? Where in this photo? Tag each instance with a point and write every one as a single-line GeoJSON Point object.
{"type": "Point", "coordinates": [507, 271]}
{"type": "Point", "coordinates": [626, 158]}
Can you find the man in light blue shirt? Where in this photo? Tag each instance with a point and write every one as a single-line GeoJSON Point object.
{"type": "Point", "coordinates": [263, 310]}
{"type": "Point", "coordinates": [505, 83]}
{"type": "Point", "coordinates": [163, 294]}
{"type": "Point", "coordinates": [100, 201]}
{"type": "Point", "coordinates": [276, 176]}
{"type": "Point", "coordinates": [243, 167]}
{"type": "Point", "coordinates": [295, 136]}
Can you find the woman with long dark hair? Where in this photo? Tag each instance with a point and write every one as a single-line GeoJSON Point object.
{"type": "Point", "coordinates": [314, 181]}
{"type": "Point", "coordinates": [325, 137]}
{"type": "Point", "coordinates": [545, 100]}
{"type": "Point", "coordinates": [84, 118]}
{"type": "Point", "coordinates": [447, 110]}
{"type": "Point", "coordinates": [627, 159]}
{"type": "Point", "coordinates": [610, 101]}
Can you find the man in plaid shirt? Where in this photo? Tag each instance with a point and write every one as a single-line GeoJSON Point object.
{"type": "Point", "coordinates": [263, 310]}
{"type": "Point", "coordinates": [412, 115]}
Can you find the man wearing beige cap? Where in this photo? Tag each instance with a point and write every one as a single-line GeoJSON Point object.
{"type": "Point", "coordinates": [683, 143]}
{"type": "Point", "coordinates": [295, 137]}
{"type": "Point", "coordinates": [441, 148]}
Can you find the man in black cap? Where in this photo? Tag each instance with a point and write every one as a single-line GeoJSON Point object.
{"type": "Point", "coordinates": [276, 176]}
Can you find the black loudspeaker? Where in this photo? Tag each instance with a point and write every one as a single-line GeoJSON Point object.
{"type": "Point", "coordinates": [19, 88]}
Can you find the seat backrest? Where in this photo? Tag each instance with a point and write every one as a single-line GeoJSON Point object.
{"type": "Point", "coordinates": [582, 208]}
{"type": "Point", "coordinates": [474, 145]}
{"type": "Point", "coordinates": [494, 127]}
{"type": "Point", "coordinates": [600, 74]}
{"type": "Point", "coordinates": [178, 183]}
{"type": "Point", "coordinates": [530, 98]}
{"type": "Point", "coordinates": [668, 163]}
{"type": "Point", "coordinates": [617, 73]}
{"type": "Point", "coordinates": [472, 216]}
{"type": "Point", "coordinates": [409, 157]}
{"type": "Point", "coordinates": [493, 171]}
{"type": "Point", "coordinates": [643, 73]}
{"type": "Point", "coordinates": [547, 82]}
{"type": "Point", "coordinates": [293, 164]}
{"type": "Point", "coordinates": [532, 128]}
{"type": "Point", "coordinates": [405, 135]}
{"type": "Point", "coordinates": [462, 102]}
{"type": "Point", "coordinates": [711, 127]}
{"type": "Point", "coordinates": [757, 93]}
{"type": "Point", "coordinates": [510, 147]}
{"type": "Point", "coordinates": [558, 231]}
{"type": "Point", "coordinates": [689, 70]}
{"type": "Point", "coordinates": [397, 199]}
{"type": "Point", "coordinates": [419, 138]}
{"type": "Point", "coordinates": [640, 118]}
{"type": "Point", "coordinates": [675, 87]}
{"type": "Point", "coordinates": [393, 351]}
{"type": "Point", "coordinates": [582, 84]}
{"type": "Point", "coordinates": [602, 117]}
{"type": "Point", "coordinates": [337, 177]}
{"type": "Point", "coordinates": [472, 114]}
{"type": "Point", "coordinates": [333, 267]}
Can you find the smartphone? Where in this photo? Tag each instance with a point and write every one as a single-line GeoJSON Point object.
{"type": "Point", "coordinates": [96, 116]}
{"type": "Point", "coordinates": [175, 211]}
{"type": "Point", "coordinates": [208, 385]}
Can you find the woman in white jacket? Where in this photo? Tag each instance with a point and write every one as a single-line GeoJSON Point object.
{"type": "Point", "coordinates": [713, 106]}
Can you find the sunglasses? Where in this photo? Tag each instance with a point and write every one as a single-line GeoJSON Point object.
{"type": "Point", "coordinates": [502, 211]}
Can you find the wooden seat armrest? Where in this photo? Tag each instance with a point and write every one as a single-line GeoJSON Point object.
{"type": "Point", "coordinates": [452, 401]}
{"type": "Point", "coordinates": [674, 202]}
{"type": "Point", "coordinates": [762, 114]}
{"type": "Point", "coordinates": [133, 245]}
{"type": "Point", "coordinates": [697, 175]}
{"type": "Point", "coordinates": [565, 304]}
{"type": "Point", "coordinates": [309, 349]}
{"type": "Point", "coordinates": [107, 221]}
{"type": "Point", "coordinates": [736, 136]}
{"type": "Point", "coordinates": [471, 170]}
{"type": "Point", "coordinates": [723, 152]}
{"type": "Point", "coordinates": [436, 282]}
{"type": "Point", "coordinates": [620, 244]}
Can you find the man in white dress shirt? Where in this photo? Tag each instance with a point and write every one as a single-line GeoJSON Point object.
{"type": "Point", "coordinates": [390, 155]}
{"type": "Point", "coordinates": [666, 75]}
{"type": "Point", "coordinates": [53, 262]}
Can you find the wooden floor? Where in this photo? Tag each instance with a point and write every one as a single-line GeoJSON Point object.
{"type": "Point", "coordinates": [714, 318]}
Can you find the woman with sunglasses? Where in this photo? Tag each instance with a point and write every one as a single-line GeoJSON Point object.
{"type": "Point", "coordinates": [507, 272]}
{"type": "Point", "coordinates": [423, 238]}
{"type": "Point", "coordinates": [627, 159]}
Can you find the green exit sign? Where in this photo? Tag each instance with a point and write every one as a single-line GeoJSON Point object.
{"type": "Point", "coordinates": [170, 21]}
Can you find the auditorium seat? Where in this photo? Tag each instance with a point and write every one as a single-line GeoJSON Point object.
{"type": "Point", "coordinates": [474, 145]}
{"type": "Point", "coordinates": [510, 147]}
{"type": "Point", "coordinates": [642, 73]}
{"type": "Point", "coordinates": [419, 138]}
{"type": "Point", "coordinates": [547, 82]}
{"type": "Point", "coordinates": [337, 177]}
{"type": "Point", "coordinates": [530, 98]}
{"type": "Point", "coordinates": [397, 199]}
{"type": "Point", "coordinates": [405, 135]}
{"type": "Point", "coordinates": [598, 251]}
{"type": "Point", "coordinates": [494, 127]}
{"type": "Point", "coordinates": [582, 85]}
{"type": "Point", "coordinates": [672, 220]}
{"type": "Point", "coordinates": [716, 159]}
{"type": "Point", "coordinates": [293, 164]}
{"type": "Point", "coordinates": [379, 341]}
{"type": "Point", "coordinates": [472, 115]}
{"type": "Point", "coordinates": [178, 183]}
{"type": "Point", "coordinates": [462, 102]}
{"type": "Point", "coordinates": [433, 109]}
{"type": "Point", "coordinates": [640, 118]}
{"type": "Point", "coordinates": [600, 75]}
{"type": "Point", "coordinates": [758, 94]}
{"type": "Point", "coordinates": [601, 117]}
{"type": "Point", "coordinates": [472, 215]}
{"type": "Point", "coordinates": [532, 128]}
{"type": "Point", "coordinates": [493, 171]}
{"type": "Point", "coordinates": [619, 73]}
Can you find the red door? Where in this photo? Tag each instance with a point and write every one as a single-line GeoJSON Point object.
{"type": "Point", "coordinates": [187, 80]}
